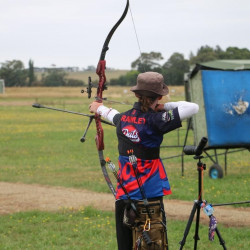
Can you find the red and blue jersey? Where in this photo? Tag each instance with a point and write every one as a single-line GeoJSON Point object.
{"type": "Point", "coordinates": [143, 134]}
{"type": "Point", "coordinates": [152, 176]}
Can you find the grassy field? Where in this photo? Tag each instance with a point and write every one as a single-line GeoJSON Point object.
{"type": "Point", "coordinates": [89, 229]}
{"type": "Point", "coordinates": [43, 146]}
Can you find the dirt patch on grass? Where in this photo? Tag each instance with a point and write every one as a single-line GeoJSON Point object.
{"type": "Point", "coordinates": [16, 197]}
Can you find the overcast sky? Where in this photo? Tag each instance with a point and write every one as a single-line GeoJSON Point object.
{"type": "Point", "coordinates": [72, 32]}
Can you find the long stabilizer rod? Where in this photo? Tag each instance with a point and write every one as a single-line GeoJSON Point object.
{"type": "Point", "coordinates": [38, 105]}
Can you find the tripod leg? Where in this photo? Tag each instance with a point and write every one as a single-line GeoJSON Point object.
{"type": "Point", "coordinates": [222, 242]}
{"type": "Point", "coordinates": [196, 236]}
{"type": "Point", "coordinates": [190, 220]}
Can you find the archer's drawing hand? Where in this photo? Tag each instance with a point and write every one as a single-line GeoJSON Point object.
{"type": "Point", "coordinates": [159, 107]}
{"type": "Point", "coordinates": [94, 106]}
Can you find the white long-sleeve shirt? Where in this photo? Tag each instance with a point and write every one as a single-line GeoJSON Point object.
{"type": "Point", "coordinates": [185, 109]}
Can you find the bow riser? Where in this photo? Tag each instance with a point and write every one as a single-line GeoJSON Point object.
{"type": "Point", "coordinates": [100, 71]}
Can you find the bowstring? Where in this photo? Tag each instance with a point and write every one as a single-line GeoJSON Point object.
{"type": "Point", "coordinates": [137, 38]}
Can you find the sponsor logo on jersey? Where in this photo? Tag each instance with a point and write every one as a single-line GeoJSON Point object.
{"type": "Point", "coordinates": [168, 116]}
{"type": "Point", "coordinates": [171, 115]}
{"type": "Point", "coordinates": [131, 133]}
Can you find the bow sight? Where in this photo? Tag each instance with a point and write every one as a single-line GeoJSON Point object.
{"type": "Point", "coordinates": [89, 89]}
{"type": "Point", "coordinates": [91, 85]}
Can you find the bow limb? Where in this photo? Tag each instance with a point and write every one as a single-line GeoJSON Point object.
{"type": "Point", "coordinates": [100, 71]}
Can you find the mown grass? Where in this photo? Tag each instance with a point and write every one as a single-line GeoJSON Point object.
{"type": "Point", "coordinates": [67, 229]}
{"type": "Point", "coordinates": [88, 229]}
{"type": "Point", "coordinates": [43, 146]}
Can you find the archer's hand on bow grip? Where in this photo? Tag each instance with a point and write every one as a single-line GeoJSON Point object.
{"type": "Point", "coordinates": [93, 107]}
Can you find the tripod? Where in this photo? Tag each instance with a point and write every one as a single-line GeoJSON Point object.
{"type": "Point", "coordinates": [190, 150]}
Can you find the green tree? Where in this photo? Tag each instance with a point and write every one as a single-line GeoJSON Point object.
{"type": "Point", "coordinates": [148, 62]}
{"type": "Point", "coordinates": [219, 52]}
{"type": "Point", "coordinates": [54, 77]}
{"type": "Point", "coordinates": [126, 80]}
{"type": "Point", "coordinates": [74, 82]}
{"type": "Point", "coordinates": [174, 69]}
{"type": "Point", "coordinates": [236, 53]}
{"type": "Point", "coordinates": [13, 73]}
{"type": "Point", "coordinates": [31, 74]}
{"type": "Point", "coordinates": [204, 54]}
